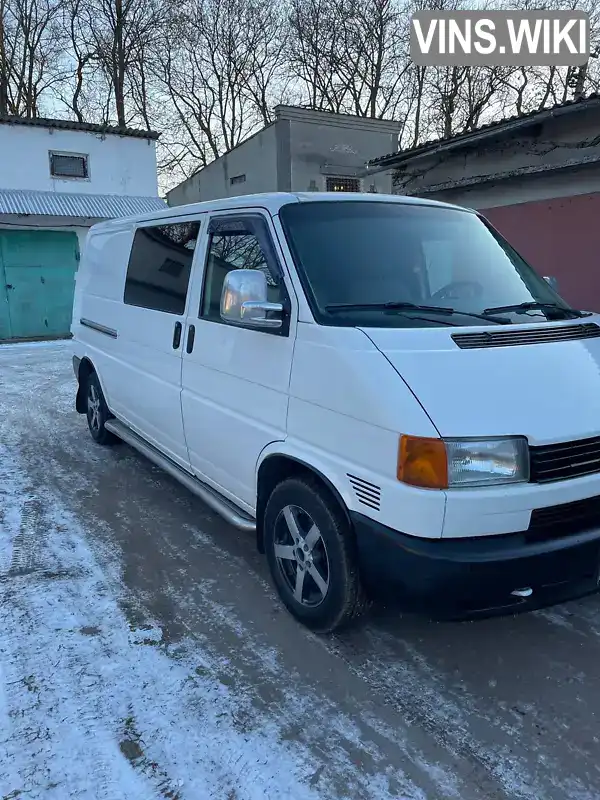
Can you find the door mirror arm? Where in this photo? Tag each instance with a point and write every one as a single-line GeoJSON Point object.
{"type": "Point", "coordinates": [255, 313]}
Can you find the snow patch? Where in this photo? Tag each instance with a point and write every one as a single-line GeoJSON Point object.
{"type": "Point", "coordinates": [87, 702]}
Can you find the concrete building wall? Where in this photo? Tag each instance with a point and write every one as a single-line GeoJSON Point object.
{"type": "Point", "coordinates": [505, 164]}
{"type": "Point", "coordinates": [255, 159]}
{"type": "Point", "coordinates": [295, 153]}
{"type": "Point", "coordinates": [336, 145]}
{"type": "Point", "coordinates": [526, 189]}
{"type": "Point", "coordinates": [118, 165]}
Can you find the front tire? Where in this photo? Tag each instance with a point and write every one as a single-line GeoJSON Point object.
{"type": "Point", "coordinates": [312, 556]}
{"type": "Point", "coordinates": [97, 412]}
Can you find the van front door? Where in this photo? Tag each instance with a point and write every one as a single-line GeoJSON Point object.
{"type": "Point", "coordinates": [235, 380]}
{"type": "Point", "coordinates": [146, 380]}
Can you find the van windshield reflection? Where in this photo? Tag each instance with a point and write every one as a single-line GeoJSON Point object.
{"type": "Point", "coordinates": [394, 264]}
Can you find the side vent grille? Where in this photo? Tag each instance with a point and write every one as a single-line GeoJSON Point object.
{"type": "Point", "coordinates": [366, 493]}
{"type": "Point", "coordinates": [538, 335]}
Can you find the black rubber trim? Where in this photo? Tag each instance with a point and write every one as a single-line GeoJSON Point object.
{"type": "Point", "coordinates": [476, 550]}
{"type": "Point", "coordinates": [96, 326]}
{"type": "Point", "coordinates": [462, 577]}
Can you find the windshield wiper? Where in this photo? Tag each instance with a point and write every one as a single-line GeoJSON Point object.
{"type": "Point", "coordinates": [405, 306]}
{"type": "Point", "coordinates": [523, 308]}
{"type": "Point", "coordinates": [396, 306]}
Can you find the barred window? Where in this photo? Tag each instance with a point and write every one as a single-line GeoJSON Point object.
{"type": "Point", "coordinates": [64, 165]}
{"type": "Point", "coordinates": [342, 185]}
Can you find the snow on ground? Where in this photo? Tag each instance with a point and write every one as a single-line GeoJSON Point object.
{"type": "Point", "coordinates": [91, 708]}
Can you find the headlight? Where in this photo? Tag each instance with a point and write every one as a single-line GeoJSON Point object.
{"type": "Point", "coordinates": [456, 463]}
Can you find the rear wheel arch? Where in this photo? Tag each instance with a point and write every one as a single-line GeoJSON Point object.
{"type": "Point", "coordinates": [278, 467]}
{"type": "Point", "coordinates": [85, 370]}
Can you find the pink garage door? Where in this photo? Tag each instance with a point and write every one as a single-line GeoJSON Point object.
{"type": "Point", "coordinates": [559, 237]}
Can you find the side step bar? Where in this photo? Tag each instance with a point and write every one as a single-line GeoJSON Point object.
{"type": "Point", "coordinates": [213, 499]}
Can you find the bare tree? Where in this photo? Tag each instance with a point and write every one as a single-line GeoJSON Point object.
{"type": "Point", "coordinates": [209, 72]}
{"type": "Point", "coordinates": [31, 47]}
{"type": "Point", "coordinates": [217, 64]}
{"type": "Point", "coordinates": [316, 40]}
{"type": "Point", "coordinates": [109, 42]}
{"type": "Point", "coordinates": [74, 91]}
{"type": "Point", "coordinates": [4, 57]}
{"type": "Point", "coordinates": [374, 61]}
{"type": "Point", "coordinates": [264, 79]}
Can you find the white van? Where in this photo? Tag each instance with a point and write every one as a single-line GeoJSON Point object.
{"type": "Point", "coordinates": [378, 387]}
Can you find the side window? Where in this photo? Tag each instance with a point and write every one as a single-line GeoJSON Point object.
{"type": "Point", "coordinates": [438, 262]}
{"type": "Point", "coordinates": [159, 267]}
{"type": "Point", "coordinates": [233, 249]}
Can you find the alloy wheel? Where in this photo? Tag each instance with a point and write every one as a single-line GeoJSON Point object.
{"type": "Point", "coordinates": [301, 556]}
{"type": "Point", "coordinates": [93, 408]}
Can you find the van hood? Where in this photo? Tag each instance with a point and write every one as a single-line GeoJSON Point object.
{"type": "Point", "coordinates": [547, 392]}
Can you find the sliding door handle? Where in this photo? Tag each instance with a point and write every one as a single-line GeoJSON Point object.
{"type": "Point", "coordinates": [190, 339]}
{"type": "Point", "coordinates": [177, 335]}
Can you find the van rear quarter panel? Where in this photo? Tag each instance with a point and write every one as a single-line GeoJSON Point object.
{"type": "Point", "coordinates": [98, 298]}
{"type": "Point", "coordinates": [139, 370]}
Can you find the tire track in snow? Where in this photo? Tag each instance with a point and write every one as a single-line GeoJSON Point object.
{"type": "Point", "coordinates": [459, 722]}
{"type": "Point", "coordinates": [27, 544]}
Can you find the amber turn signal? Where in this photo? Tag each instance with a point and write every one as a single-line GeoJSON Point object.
{"type": "Point", "coordinates": [423, 462]}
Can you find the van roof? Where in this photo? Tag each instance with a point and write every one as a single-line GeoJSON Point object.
{"type": "Point", "coordinates": [272, 202]}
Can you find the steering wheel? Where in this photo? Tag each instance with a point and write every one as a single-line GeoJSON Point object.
{"type": "Point", "coordinates": [456, 291]}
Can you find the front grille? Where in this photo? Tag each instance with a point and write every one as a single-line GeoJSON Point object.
{"type": "Point", "coordinates": [556, 462]}
{"type": "Point", "coordinates": [538, 335]}
{"type": "Point", "coordinates": [566, 519]}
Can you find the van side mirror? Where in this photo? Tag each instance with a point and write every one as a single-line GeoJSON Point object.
{"type": "Point", "coordinates": [552, 281]}
{"type": "Point", "coordinates": [244, 300]}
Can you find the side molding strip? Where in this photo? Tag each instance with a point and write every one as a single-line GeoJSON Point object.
{"type": "Point", "coordinates": [96, 326]}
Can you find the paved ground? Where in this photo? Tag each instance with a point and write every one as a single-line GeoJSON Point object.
{"type": "Point", "coordinates": [144, 655]}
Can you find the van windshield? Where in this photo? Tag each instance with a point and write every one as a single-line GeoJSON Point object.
{"type": "Point", "coordinates": [386, 264]}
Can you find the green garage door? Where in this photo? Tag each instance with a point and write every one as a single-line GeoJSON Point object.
{"type": "Point", "coordinates": [37, 279]}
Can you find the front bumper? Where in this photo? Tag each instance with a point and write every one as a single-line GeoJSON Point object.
{"type": "Point", "coordinates": [462, 578]}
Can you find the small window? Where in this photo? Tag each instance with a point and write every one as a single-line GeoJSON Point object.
{"type": "Point", "coordinates": [64, 165]}
{"type": "Point", "coordinates": [233, 250]}
{"type": "Point", "coordinates": [158, 273]}
{"type": "Point", "coordinates": [342, 185]}
{"type": "Point", "coordinates": [237, 179]}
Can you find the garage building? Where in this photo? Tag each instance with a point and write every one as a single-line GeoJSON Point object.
{"type": "Point", "coordinates": [57, 178]}
{"type": "Point", "coordinates": [301, 150]}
